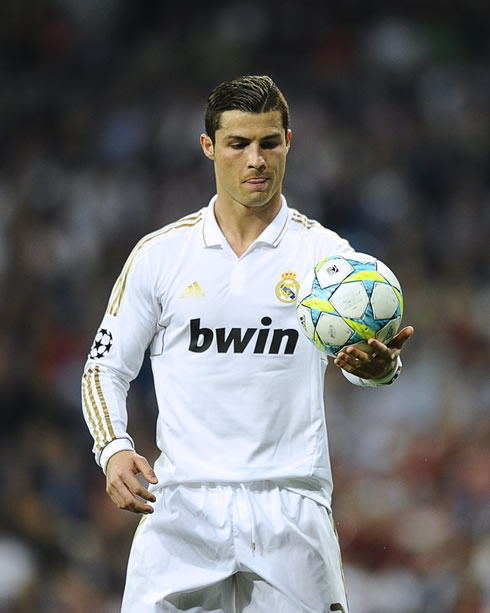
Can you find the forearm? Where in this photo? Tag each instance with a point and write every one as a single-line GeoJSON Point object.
{"type": "Point", "coordinates": [104, 395]}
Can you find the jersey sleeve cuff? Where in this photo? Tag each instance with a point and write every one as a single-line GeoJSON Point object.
{"type": "Point", "coordinates": [116, 445]}
{"type": "Point", "coordinates": [381, 382]}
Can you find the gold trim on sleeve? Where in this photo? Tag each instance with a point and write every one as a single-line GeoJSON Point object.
{"type": "Point", "coordinates": [98, 387]}
{"type": "Point", "coordinates": [120, 287]}
{"type": "Point", "coordinates": [87, 377]}
{"type": "Point", "coordinates": [88, 412]}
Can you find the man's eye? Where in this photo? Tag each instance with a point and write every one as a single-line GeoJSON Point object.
{"type": "Point", "coordinates": [238, 145]}
{"type": "Point", "coordinates": [269, 145]}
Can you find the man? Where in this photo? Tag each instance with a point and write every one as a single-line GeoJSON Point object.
{"type": "Point", "coordinates": [240, 496]}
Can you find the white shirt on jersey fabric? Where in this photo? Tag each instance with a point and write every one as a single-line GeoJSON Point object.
{"type": "Point", "coordinates": [239, 387]}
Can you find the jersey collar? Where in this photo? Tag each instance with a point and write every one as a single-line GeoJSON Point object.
{"type": "Point", "coordinates": [213, 237]}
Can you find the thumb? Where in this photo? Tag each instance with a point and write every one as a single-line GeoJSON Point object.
{"type": "Point", "coordinates": [400, 339]}
{"type": "Point", "coordinates": [145, 469]}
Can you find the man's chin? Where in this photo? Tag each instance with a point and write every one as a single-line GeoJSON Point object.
{"type": "Point", "coordinates": [258, 199]}
{"type": "Point", "coordinates": [257, 203]}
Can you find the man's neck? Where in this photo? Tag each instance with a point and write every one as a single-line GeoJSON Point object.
{"type": "Point", "coordinates": [242, 225]}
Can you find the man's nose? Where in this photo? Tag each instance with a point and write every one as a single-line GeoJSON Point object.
{"type": "Point", "coordinates": [256, 159]}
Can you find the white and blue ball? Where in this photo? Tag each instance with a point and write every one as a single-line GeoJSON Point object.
{"type": "Point", "coordinates": [346, 300]}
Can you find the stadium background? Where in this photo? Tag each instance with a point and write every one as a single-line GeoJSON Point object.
{"type": "Point", "coordinates": [100, 112]}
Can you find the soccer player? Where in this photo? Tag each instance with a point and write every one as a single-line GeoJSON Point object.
{"type": "Point", "coordinates": [237, 513]}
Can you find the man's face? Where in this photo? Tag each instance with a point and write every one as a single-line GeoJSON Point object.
{"type": "Point", "coordinates": [249, 154]}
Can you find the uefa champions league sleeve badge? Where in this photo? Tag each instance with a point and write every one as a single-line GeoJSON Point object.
{"type": "Point", "coordinates": [102, 344]}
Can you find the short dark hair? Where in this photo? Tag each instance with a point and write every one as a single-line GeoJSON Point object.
{"type": "Point", "coordinates": [252, 94]}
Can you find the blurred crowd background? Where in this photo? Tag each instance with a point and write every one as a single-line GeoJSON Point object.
{"type": "Point", "coordinates": [101, 106]}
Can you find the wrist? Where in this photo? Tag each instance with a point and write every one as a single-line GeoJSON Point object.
{"type": "Point", "coordinates": [387, 379]}
{"type": "Point", "coordinates": [115, 446]}
{"type": "Point", "coordinates": [391, 376]}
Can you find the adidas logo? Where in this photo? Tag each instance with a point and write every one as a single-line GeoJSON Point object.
{"type": "Point", "coordinates": [193, 291]}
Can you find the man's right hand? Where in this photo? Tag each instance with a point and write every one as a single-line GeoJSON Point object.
{"type": "Point", "coordinates": [122, 484]}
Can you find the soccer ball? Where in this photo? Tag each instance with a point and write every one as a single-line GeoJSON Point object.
{"type": "Point", "coordinates": [346, 300]}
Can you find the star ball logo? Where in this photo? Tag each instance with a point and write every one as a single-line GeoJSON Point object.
{"type": "Point", "coordinates": [287, 288]}
{"type": "Point", "coordinates": [102, 344]}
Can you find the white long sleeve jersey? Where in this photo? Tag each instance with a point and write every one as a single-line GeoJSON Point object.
{"type": "Point", "coordinates": [240, 389]}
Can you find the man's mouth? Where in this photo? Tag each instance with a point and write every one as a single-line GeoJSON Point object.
{"type": "Point", "coordinates": [257, 180]}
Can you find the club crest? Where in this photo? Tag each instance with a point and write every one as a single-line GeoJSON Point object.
{"type": "Point", "coordinates": [287, 288]}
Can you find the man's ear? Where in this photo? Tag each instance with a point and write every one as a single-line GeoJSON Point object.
{"type": "Point", "coordinates": [289, 135]}
{"type": "Point", "coordinates": [207, 146]}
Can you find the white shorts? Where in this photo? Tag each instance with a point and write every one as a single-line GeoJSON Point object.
{"type": "Point", "coordinates": [233, 549]}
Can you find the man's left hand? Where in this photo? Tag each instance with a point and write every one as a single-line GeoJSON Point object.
{"type": "Point", "coordinates": [376, 363]}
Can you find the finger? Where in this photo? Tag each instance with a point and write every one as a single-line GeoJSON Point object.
{"type": "Point", "coordinates": [128, 482]}
{"type": "Point", "coordinates": [402, 337]}
{"type": "Point", "coordinates": [351, 365]}
{"type": "Point", "coordinates": [358, 354]}
{"type": "Point", "coordinates": [118, 493]}
{"type": "Point", "coordinates": [124, 498]}
{"type": "Point", "coordinates": [380, 349]}
{"type": "Point", "coordinates": [135, 505]}
{"type": "Point", "coordinates": [369, 364]}
{"type": "Point", "coordinates": [384, 359]}
{"type": "Point", "coordinates": [346, 360]}
{"type": "Point", "coordinates": [145, 469]}
{"type": "Point", "coordinates": [355, 360]}
{"type": "Point", "coordinates": [138, 506]}
{"type": "Point", "coordinates": [137, 488]}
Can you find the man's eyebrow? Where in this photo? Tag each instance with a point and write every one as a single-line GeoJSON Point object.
{"type": "Point", "coordinates": [245, 139]}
